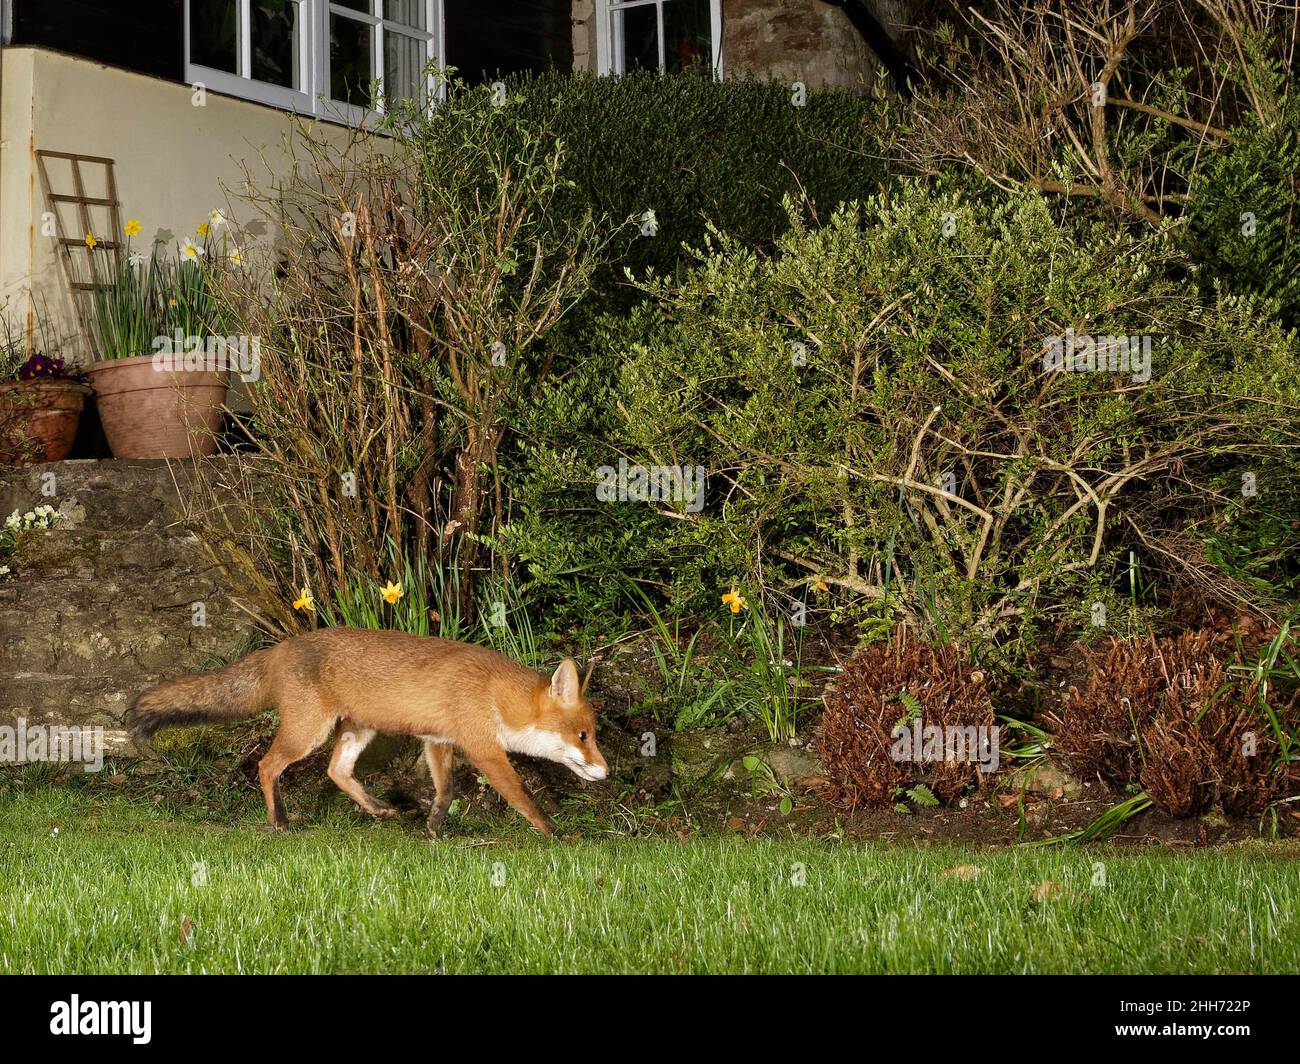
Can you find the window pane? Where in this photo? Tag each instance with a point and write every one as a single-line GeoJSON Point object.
{"type": "Point", "coordinates": [350, 51]}
{"type": "Point", "coordinates": [212, 33]}
{"type": "Point", "coordinates": [403, 68]}
{"type": "Point", "coordinates": [688, 31]}
{"type": "Point", "coordinates": [639, 30]}
{"type": "Point", "coordinates": [357, 5]}
{"type": "Point", "coordinates": [536, 36]}
{"type": "Point", "coordinates": [275, 42]}
{"type": "Point", "coordinates": [407, 12]}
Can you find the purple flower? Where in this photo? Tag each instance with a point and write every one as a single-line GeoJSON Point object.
{"type": "Point", "coordinates": [40, 367]}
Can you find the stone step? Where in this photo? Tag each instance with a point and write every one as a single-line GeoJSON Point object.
{"type": "Point", "coordinates": [174, 579]}
{"type": "Point", "coordinates": [116, 495]}
{"type": "Point", "coordinates": [89, 554]}
{"type": "Point", "coordinates": [102, 605]}
{"type": "Point", "coordinates": [87, 742]}
{"type": "Point", "coordinates": [99, 641]}
{"type": "Point", "coordinates": [49, 698]}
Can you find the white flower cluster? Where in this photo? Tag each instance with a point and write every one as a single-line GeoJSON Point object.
{"type": "Point", "coordinates": [41, 517]}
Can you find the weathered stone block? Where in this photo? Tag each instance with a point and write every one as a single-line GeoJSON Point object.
{"type": "Point", "coordinates": [100, 607]}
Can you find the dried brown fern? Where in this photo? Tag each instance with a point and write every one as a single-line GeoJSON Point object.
{"type": "Point", "coordinates": [1173, 716]}
{"type": "Point", "coordinates": [864, 707]}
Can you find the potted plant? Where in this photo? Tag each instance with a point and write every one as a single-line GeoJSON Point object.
{"type": "Point", "coordinates": [154, 400]}
{"type": "Point", "coordinates": [40, 400]}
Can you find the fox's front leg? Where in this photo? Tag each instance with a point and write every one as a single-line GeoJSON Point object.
{"type": "Point", "coordinates": [505, 781]}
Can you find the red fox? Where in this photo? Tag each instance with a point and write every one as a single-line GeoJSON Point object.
{"type": "Point", "coordinates": [364, 682]}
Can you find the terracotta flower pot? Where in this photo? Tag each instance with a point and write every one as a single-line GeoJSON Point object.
{"type": "Point", "coordinates": [38, 420]}
{"type": "Point", "coordinates": [153, 412]}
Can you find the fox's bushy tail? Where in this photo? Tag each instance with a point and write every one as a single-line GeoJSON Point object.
{"type": "Point", "coordinates": [231, 693]}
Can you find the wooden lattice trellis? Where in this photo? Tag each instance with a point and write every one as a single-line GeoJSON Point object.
{"type": "Point", "coordinates": [74, 249]}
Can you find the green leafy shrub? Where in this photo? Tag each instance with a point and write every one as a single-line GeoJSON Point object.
{"type": "Point", "coordinates": [696, 151]}
{"type": "Point", "coordinates": [699, 153]}
{"type": "Point", "coordinates": [874, 408]}
{"type": "Point", "coordinates": [1240, 221]}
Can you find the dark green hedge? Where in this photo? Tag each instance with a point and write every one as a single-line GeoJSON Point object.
{"type": "Point", "coordinates": [692, 149]}
{"type": "Point", "coordinates": [696, 152]}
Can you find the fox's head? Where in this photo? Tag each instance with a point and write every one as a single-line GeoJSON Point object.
{"type": "Point", "coordinates": [566, 726]}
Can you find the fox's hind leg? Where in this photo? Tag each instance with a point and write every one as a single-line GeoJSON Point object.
{"type": "Point", "coordinates": [352, 740]}
{"type": "Point", "coordinates": [439, 756]}
{"type": "Point", "coordinates": [299, 735]}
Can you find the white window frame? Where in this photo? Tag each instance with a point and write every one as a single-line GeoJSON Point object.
{"type": "Point", "coordinates": [312, 96]}
{"type": "Point", "coordinates": [609, 51]}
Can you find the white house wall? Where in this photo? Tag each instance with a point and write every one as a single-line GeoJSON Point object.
{"type": "Point", "coordinates": [175, 162]}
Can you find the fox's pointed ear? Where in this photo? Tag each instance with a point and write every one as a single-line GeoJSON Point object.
{"type": "Point", "coordinates": [564, 684]}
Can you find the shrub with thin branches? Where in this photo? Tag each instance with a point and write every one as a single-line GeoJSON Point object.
{"type": "Point", "coordinates": [412, 281]}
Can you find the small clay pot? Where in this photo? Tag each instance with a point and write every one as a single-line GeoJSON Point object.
{"type": "Point", "coordinates": [151, 411]}
{"type": "Point", "coordinates": [38, 420]}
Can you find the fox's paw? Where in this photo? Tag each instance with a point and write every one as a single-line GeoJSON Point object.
{"type": "Point", "coordinates": [382, 811]}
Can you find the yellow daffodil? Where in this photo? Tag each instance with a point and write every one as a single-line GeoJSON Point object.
{"type": "Point", "coordinates": [304, 600]}
{"type": "Point", "coordinates": [172, 303]}
{"type": "Point", "coordinates": [236, 256]}
{"type": "Point", "coordinates": [820, 585]}
{"type": "Point", "coordinates": [191, 250]}
{"type": "Point", "coordinates": [90, 240]}
{"type": "Point", "coordinates": [216, 218]}
{"type": "Point", "coordinates": [203, 229]}
{"type": "Point", "coordinates": [392, 592]}
{"type": "Point", "coordinates": [132, 227]}
{"type": "Point", "coordinates": [735, 600]}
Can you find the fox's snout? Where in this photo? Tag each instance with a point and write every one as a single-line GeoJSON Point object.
{"type": "Point", "coordinates": [591, 770]}
{"type": "Point", "coordinates": [584, 761]}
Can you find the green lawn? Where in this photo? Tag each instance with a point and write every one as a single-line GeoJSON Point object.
{"type": "Point", "coordinates": [116, 891]}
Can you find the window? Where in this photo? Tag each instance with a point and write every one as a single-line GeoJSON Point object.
{"type": "Point", "coordinates": [319, 57]}
{"type": "Point", "coordinates": [666, 35]}
{"type": "Point", "coordinates": [535, 36]}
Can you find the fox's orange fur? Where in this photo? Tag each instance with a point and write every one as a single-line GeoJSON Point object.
{"type": "Point", "coordinates": [356, 683]}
